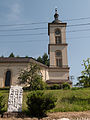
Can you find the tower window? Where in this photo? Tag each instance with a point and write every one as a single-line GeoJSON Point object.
{"type": "Point", "coordinates": [58, 58]}
{"type": "Point", "coordinates": [59, 62]}
{"type": "Point", "coordinates": [58, 39]}
{"type": "Point", "coordinates": [58, 36]}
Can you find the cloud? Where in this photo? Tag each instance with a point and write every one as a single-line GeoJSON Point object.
{"type": "Point", "coordinates": [14, 12]}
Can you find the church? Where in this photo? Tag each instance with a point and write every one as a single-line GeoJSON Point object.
{"type": "Point", "coordinates": [56, 73]}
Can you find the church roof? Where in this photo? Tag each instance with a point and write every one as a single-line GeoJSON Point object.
{"type": "Point", "coordinates": [20, 60]}
{"type": "Point", "coordinates": [14, 59]}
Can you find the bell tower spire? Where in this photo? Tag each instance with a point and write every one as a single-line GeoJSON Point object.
{"type": "Point", "coordinates": [56, 15]}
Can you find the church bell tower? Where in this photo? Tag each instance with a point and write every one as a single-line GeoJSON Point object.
{"type": "Point", "coordinates": [57, 43]}
{"type": "Point", "coordinates": [57, 49]}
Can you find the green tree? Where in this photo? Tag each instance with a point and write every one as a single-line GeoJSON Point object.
{"type": "Point", "coordinates": [84, 79]}
{"type": "Point", "coordinates": [44, 59]}
{"type": "Point", "coordinates": [39, 59]}
{"type": "Point", "coordinates": [11, 55]}
{"type": "Point", "coordinates": [26, 56]}
{"type": "Point", "coordinates": [37, 83]}
{"type": "Point", "coordinates": [32, 77]}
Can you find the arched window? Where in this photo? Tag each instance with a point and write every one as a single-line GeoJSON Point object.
{"type": "Point", "coordinates": [8, 78]}
{"type": "Point", "coordinates": [58, 36]}
{"type": "Point", "coordinates": [58, 58]}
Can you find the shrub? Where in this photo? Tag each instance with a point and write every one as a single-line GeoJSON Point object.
{"type": "Point", "coordinates": [1, 103]}
{"type": "Point", "coordinates": [55, 86]}
{"type": "Point", "coordinates": [38, 103]}
{"type": "Point", "coordinates": [75, 88]}
{"type": "Point", "coordinates": [47, 87]}
{"type": "Point", "coordinates": [66, 86]}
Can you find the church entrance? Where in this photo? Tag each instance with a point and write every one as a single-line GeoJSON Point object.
{"type": "Point", "coordinates": [7, 78]}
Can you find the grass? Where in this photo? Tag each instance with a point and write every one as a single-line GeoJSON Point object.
{"type": "Point", "coordinates": [68, 100]}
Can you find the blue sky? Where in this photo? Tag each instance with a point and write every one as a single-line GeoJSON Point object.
{"type": "Point", "coordinates": [13, 12]}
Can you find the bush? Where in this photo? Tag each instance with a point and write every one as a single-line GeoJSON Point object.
{"type": "Point", "coordinates": [38, 103]}
{"type": "Point", "coordinates": [1, 103]}
{"type": "Point", "coordinates": [66, 86]}
{"type": "Point", "coordinates": [76, 88]}
{"type": "Point", "coordinates": [55, 86]}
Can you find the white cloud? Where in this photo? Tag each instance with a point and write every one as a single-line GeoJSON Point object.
{"type": "Point", "coordinates": [15, 12]}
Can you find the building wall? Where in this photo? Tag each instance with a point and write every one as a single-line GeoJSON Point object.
{"type": "Point", "coordinates": [52, 55]}
{"type": "Point", "coordinates": [58, 74]}
{"type": "Point", "coordinates": [53, 27]}
{"type": "Point", "coordinates": [15, 69]}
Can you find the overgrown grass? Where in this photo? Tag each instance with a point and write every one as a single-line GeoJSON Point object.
{"type": "Point", "coordinates": [68, 100]}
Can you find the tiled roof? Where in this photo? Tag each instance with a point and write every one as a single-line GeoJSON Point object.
{"type": "Point", "coordinates": [14, 59]}
{"type": "Point", "coordinates": [20, 60]}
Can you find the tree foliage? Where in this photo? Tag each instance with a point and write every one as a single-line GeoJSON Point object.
{"type": "Point", "coordinates": [37, 83]}
{"type": "Point", "coordinates": [44, 59]}
{"type": "Point", "coordinates": [11, 55]}
{"type": "Point", "coordinates": [38, 103]}
{"type": "Point", "coordinates": [84, 79]}
{"type": "Point", "coordinates": [32, 77]}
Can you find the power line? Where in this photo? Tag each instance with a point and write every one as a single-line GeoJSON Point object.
{"type": "Point", "coordinates": [83, 18]}
{"type": "Point", "coordinates": [22, 34]}
{"type": "Point", "coordinates": [80, 37]}
{"type": "Point", "coordinates": [78, 25]}
{"type": "Point", "coordinates": [78, 30]}
{"type": "Point", "coordinates": [23, 24]}
{"type": "Point", "coordinates": [4, 25]}
{"type": "Point", "coordinates": [22, 41]}
{"type": "Point", "coordinates": [39, 28]}
{"type": "Point", "coordinates": [4, 35]}
{"type": "Point", "coordinates": [28, 29]}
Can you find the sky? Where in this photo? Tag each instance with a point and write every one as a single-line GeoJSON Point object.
{"type": "Point", "coordinates": [19, 33]}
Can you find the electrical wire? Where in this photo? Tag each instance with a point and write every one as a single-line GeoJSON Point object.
{"type": "Point", "coordinates": [4, 35]}
{"type": "Point", "coordinates": [68, 38]}
{"type": "Point", "coordinates": [23, 24]}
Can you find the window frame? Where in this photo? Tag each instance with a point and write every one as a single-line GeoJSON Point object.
{"type": "Point", "coordinates": [58, 58]}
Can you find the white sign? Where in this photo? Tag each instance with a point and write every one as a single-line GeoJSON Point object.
{"type": "Point", "coordinates": [15, 99]}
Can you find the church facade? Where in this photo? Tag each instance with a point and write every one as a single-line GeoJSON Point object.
{"type": "Point", "coordinates": [58, 70]}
